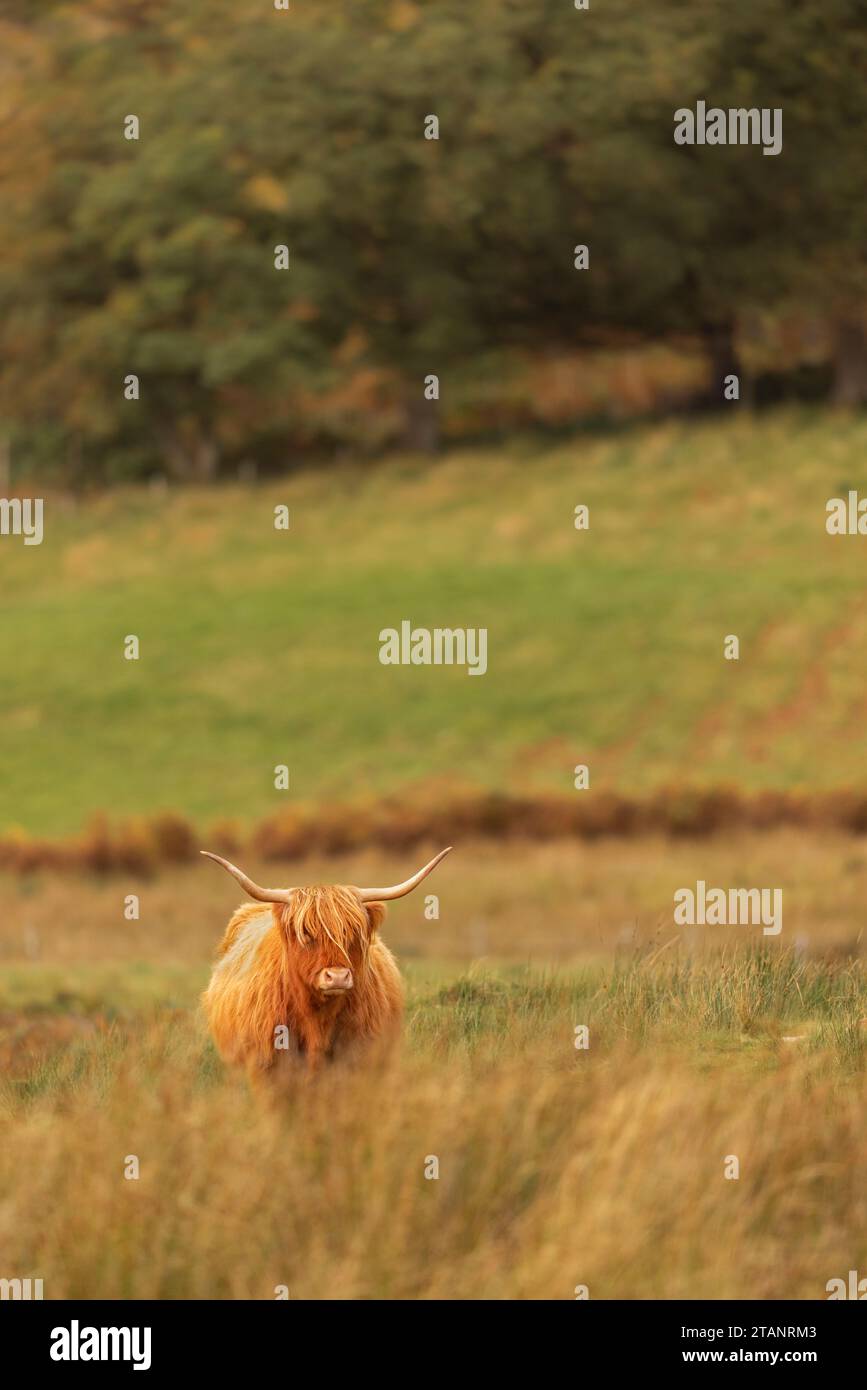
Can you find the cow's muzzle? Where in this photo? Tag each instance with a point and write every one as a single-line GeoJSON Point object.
{"type": "Point", "coordinates": [335, 980]}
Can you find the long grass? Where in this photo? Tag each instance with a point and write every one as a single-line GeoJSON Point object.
{"type": "Point", "coordinates": [557, 1167]}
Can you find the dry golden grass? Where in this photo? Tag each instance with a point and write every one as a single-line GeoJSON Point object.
{"type": "Point", "coordinates": [510, 901]}
{"type": "Point", "coordinates": [557, 1167]}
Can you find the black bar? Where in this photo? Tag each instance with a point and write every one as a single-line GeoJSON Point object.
{"type": "Point", "coordinates": [243, 1336]}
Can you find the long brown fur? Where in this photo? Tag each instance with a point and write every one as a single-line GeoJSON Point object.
{"type": "Point", "coordinates": [265, 973]}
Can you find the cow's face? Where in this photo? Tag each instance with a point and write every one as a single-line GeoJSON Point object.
{"type": "Point", "coordinates": [333, 930]}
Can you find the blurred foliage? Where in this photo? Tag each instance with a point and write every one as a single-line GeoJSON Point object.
{"type": "Point", "coordinates": [407, 256]}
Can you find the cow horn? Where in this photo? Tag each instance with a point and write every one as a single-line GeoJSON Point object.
{"type": "Point", "coordinates": [262, 895]}
{"type": "Point", "coordinates": [383, 895]}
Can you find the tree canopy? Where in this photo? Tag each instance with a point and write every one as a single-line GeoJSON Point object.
{"type": "Point", "coordinates": [153, 257]}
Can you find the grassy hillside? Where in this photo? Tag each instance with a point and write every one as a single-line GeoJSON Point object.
{"type": "Point", "coordinates": [260, 647]}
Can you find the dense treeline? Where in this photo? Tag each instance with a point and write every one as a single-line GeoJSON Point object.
{"type": "Point", "coordinates": [154, 257]}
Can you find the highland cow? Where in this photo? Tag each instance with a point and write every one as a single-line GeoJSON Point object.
{"type": "Point", "coordinates": [302, 974]}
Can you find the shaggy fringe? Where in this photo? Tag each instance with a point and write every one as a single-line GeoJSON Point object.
{"type": "Point", "coordinates": [331, 913]}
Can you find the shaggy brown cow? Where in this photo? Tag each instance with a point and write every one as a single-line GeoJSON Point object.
{"type": "Point", "coordinates": [306, 975]}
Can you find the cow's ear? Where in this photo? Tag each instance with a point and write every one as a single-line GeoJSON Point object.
{"type": "Point", "coordinates": [375, 916]}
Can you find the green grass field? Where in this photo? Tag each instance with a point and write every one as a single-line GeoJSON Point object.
{"type": "Point", "coordinates": [260, 647]}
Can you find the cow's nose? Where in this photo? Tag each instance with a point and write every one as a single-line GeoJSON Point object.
{"type": "Point", "coordinates": [337, 977]}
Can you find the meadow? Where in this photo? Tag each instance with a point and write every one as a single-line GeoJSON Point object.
{"type": "Point", "coordinates": [558, 1166]}
{"type": "Point", "coordinates": [260, 647]}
